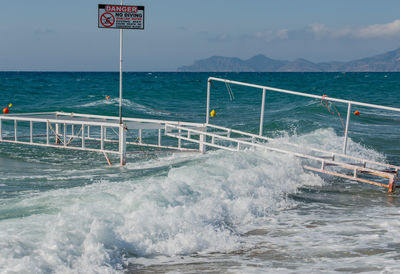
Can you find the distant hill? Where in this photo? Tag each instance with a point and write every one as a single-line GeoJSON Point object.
{"type": "Point", "coordinates": [387, 62]}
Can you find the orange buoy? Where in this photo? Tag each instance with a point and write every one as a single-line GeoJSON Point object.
{"type": "Point", "coordinates": [6, 110]}
{"type": "Point", "coordinates": [107, 97]}
{"type": "Point", "coordinates": [356, 113]}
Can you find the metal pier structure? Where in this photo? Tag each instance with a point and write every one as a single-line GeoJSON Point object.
{"type": "Point", "coordinates": [105, 134]}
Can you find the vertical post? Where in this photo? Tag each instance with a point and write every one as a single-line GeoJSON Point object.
{"type": "Point", "coordinates": [140, 135]}
{"type": "Point", "coordinates": [83, 136]}
{"type": "Point", "coordinates": [102, 137]}
{"type": "Point", "coordinates": [30, 132]}
{"type": "Point", "coordinates": [65, 134]}
{"type": "Point", "coordinates": [47, 133]}
{"type": "Point", "coordinates": [120, 72]}
{"type": "Point", "coordinates": [179, 139]}
{"type": "Point", "coordinates": [202, 147]}
{"type": "Point", "coordinates": [122, 144]}
{"type": "Point", "coordinates": [208, 100]}
{"type": "Point", "coordinates": [262, 112]}
{"type": "Point", "coordinates": [347, 128]}
{"type": "Point", "coordinates": [57, 133]}
{"type": "Point", "coordinates": [159, 137]}
{"type": "Point", "coordinates": [15, 130]}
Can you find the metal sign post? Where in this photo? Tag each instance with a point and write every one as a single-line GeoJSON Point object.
{"type": "Point", "coordinates": [121, 17]}
{"type": "Point", "coordinates": [121, 33]}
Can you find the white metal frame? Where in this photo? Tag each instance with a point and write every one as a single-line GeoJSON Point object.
{"type": "Point", "coordinates": [195, 137]}
{"type": "Point", "coordinates": [67, 122]}
{"type": "Point", "coordinates": [223, 140]}
{"type": "Point", "coordinates": [264, 88]}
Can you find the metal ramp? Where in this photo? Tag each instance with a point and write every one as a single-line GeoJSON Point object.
{"type": "Point", "coordinates": [330, 163]}
{"type": "Point", "coordinates": [86, 132]}
{"type": "Point", "coordinates": [107, 135]}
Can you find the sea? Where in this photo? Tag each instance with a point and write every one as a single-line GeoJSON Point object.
{"type": "Point", "coordinates": [252, 211]}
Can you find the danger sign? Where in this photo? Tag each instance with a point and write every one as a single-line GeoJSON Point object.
{"type": "Point", "coordinates": [121, 17]}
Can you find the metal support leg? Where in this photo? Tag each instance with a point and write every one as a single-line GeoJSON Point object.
{"type": "Point", "coordinates": [83, 136]}
{"type": "Point", "coordinates": [65, 135]}
{"type": "Point", "coordinates": [179, 138]}
{"type": "Point", "coordinates": [47, 132]}
{"type": "Point", "coordinates": [57, 134]}
{"type": "Point", "coordinates": [15, 130]}
{"type": "Point", "coordinates": [122, 144]}
{"type": "Point", "coordinates": [30, 132]}
{"type": "Point", "coordinates": [392, 184]}
{"type": "Point", "coordinates": [202, 147]}
{"type": "Point", "coordinates": [108, 159]}
{"type": "Point", "coordinates": [102, 137]}
{"type": "Point", "coordinates": [347, 128]}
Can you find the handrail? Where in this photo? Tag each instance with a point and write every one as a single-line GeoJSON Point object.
{"type": "Point", "coordinates": [306, 94]}
{"type": "Point", "coordinates": [143, 120]}
{"type": "Point", "coordinates": [44, 120]}
{"type": "Point", "coordinates": [333, 154]}
{"type": "Point", "coordinates": [349, 103]}
{"type": "Point", "coordinates": [297, 154]}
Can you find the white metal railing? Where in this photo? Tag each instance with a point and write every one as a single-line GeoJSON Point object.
{"type": "Point", "coordinates": [264, 88]}
{"type": "Point", "coordinates": [188, 137]}
{"type": "Point", "coordinates": [61, 127]}
{"type": "Point", "coordinates": [327, 154]}
{"type": "Point", "coordinates": [219, 141]}
{"type": "Point", "coordinates": [53, 131]}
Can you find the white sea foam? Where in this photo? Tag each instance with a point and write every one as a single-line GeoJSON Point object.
{"type": "Point", "coordinates": [126, 103]}
{"type": "Point", "coordinates": [203, 206]}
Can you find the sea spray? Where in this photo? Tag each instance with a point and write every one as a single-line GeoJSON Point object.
{"type": "Point", "coordinates": [247, 212]}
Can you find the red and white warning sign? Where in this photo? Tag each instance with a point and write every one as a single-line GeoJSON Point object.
{"type": "Point", "coordinates": [121, 17]}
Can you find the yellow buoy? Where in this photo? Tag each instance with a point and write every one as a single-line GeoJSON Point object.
{"type": "Point", "coordinates": [10, 105]}
{"type": "Point", "coordinates": [213, 113]}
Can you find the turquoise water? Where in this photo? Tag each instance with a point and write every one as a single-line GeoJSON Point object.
{"type": "Point", "coordinates": [252, 211]}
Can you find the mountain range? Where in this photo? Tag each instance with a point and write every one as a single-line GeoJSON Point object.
{"type": "Point", "coordinates": [386, 62]}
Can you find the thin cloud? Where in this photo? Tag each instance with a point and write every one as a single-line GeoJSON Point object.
{"type": "Point", "coordinates": [388, 30]}
{"type": "Point", "coordinates": [381, 30]}
{"type": "Point", "coordinates": [224, 37]}
{"type": "Point", "coordinates": [270, 35]}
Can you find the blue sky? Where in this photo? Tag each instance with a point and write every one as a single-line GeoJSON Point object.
{"type": "Point", "coordinates": [56, 35]}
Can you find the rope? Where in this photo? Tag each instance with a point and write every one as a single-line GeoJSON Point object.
{"type": "Point", "coordinates": [52, 129]}
{"type": "Point", "coordinates": [137, 140]}
{"type": "Point", "coordinates": [114, 131]}
{"type": "Point", "coordinates": [70, 139]}
{"type": "Point", "coordinates": [59, 139]}
{"type": "Point", "coordinates": [325, 104]}
{"type": "Point", "coordinates": [230, 92]}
